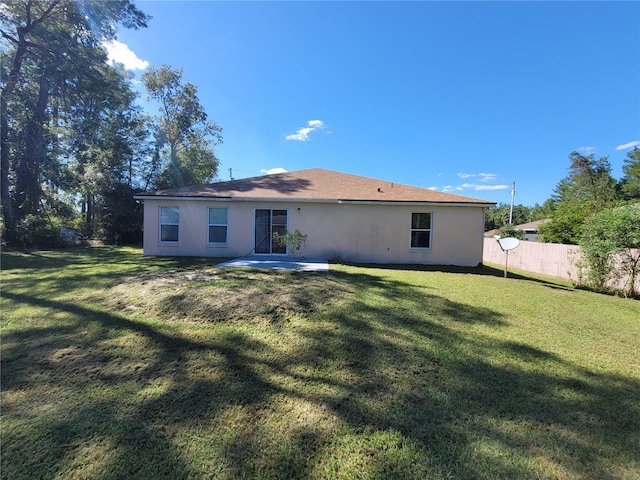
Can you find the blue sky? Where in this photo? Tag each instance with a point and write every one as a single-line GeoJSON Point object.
{"type": "Point", "coordinates": [463, 97]}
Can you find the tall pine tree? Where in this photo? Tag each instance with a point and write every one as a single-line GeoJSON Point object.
{"type": "Point", "coordinates": [51, 51]}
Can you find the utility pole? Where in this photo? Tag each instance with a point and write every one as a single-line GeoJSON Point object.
{"type": "Point", "coordinates": [513, 194]}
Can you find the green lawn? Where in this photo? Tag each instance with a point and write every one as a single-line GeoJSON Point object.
{"type": "Point", "coordinates": [119, 366]}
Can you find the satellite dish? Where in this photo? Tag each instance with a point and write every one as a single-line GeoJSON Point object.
{"type": "Point", "coordinates": [508, 243]}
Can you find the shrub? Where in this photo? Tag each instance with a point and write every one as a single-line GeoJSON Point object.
{"type": "Point", "coordinates": [611, 245]}
{"type": "Point", "coordinates": [294, 241]}
{"type": "Point", "coordinates": [510, 231]}
{"type": "Point", "coordinates": [40, 231]}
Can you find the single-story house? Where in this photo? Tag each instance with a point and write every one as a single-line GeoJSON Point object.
{"type": "Point", "coordinates": [531, 229]}
{"type": "Point", "coordinates": [344, 216]}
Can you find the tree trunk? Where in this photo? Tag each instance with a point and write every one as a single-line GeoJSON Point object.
{"type": "Point", "coordinates": [89, 215]}
{"type": "Point", "coordinates": [28, 181]}
{"type": "Point", "coordinates": [5, 95]}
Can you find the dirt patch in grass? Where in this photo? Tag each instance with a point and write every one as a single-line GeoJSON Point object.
{"type": "Point", "coordinates": [223, 295]}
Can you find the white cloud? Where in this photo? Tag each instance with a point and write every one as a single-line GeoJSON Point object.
{"type": "Point", "coordinates": [624, 146]}
{"type": "Point", "coordinates": [482, 183]}
{"type": "Point", "coordinates": [587, 149]}
{"type": "Point", "coordinates": [302, 134]}
{"type": "Point", "coordinates": [483, 177]}
{"type": "Point", "coordinates": [118, 52]}
{"type": "Point", "coordinates": [271, 171]}
{"type": "Point", "coordinates": [487, 177]}
{"type": "Point", "coordinates": [477, 186]}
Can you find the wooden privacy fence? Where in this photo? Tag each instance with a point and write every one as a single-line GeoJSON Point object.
{"type": "Point", "coordinates": [554, 259]}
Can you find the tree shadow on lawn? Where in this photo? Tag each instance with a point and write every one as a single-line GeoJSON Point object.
{"type": "Point", "coordinates": [74, 256]}
{"type": "Point", "coordinates": [484, 270]}
{"type": "Point", "coordinates": [92, 267]}
{"type": "Point", "coordinates": [102, 407]}
{"type": "Point", "coordinates": [370, 390]}
{"type": "Point", "coordinates": [469, 401]}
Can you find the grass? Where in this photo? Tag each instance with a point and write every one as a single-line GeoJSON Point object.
{"type": "Point", "coordinates": [115, 366]}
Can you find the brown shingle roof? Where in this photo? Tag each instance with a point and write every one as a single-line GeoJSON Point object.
{"type": "Point", "coordinates": [315, 184]}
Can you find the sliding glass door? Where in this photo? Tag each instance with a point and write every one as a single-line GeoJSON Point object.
{"type": "Point", "coordinates": [268, 222]}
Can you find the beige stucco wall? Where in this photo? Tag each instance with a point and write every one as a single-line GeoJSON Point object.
{"type": "Point", "coordinates": [350, 232]}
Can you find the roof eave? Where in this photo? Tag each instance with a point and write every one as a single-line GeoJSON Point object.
{"type": "Point", "coordinates": [418, 202]}
{"type": "Point", "coordinates": [182, 197]}
{"type": "Point", "coordinates": [314, 200]}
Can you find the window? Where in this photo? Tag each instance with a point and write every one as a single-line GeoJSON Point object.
{"type": "Point", "coordinates": [421, 230]}
{"type": "Point", "coordinates": [217, 225]}
{"type": "Point", "coordinates": [169, 224]}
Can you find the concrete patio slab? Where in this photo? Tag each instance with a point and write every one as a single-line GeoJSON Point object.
{"type": "Point", "coordinates": [278, 262]}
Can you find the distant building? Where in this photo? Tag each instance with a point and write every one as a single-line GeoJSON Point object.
{"type": "Point", "coordinates": [531, 229]}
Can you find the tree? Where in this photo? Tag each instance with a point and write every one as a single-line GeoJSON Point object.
{"type": "Point", "coordinates": [509, 231]}
{"type": "Point", "coordinates": [541, 212]}
{"type": "Point", "coordinates": [185, 139]}
{"type": "Point", "coordinates": [630, 183]}
{"type": "Point", "coordinates": [611, 246]}
{"type": "Point", "coordinates": [104, 136]}
{"type": "Point", "coordinates": [42, 42]}
{"type": "Point", "coordinates": [589, 181]}
{"type": "Point", "coordinates": [588, 189]}
{"type": "Point", "coordinates": [566, 224]}
{"type": "Point", "coordinates": [119, 215]}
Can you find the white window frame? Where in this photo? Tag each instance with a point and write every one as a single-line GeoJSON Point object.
{"type": "Point", "coordinates": [161, 224]}
{"type": "Point", "coordinates": [430, 230]}
{"type": "Point", "coordinates": [226, 225]}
